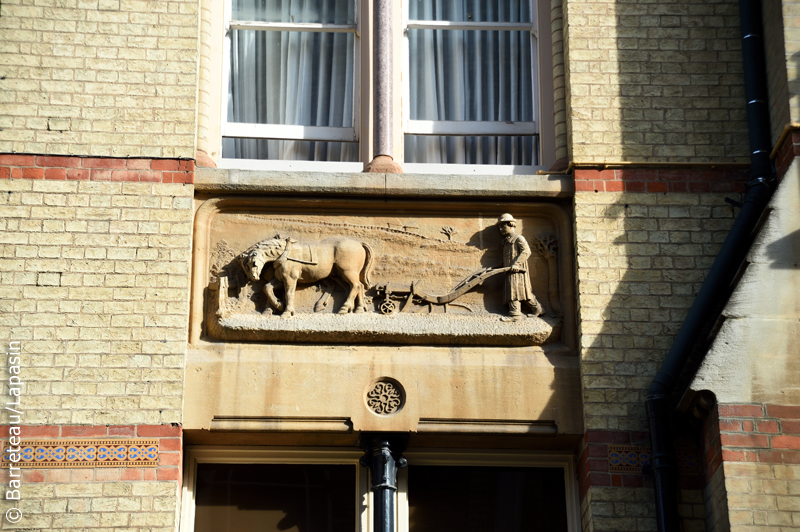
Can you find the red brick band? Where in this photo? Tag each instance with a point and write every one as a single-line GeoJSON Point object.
{"type": "Point", "coordinates": [712, 451]}
{"type": "Point", "coordinates": [96, 169]}
{"type": "Point", "coordinates": [693, 180]}
{"type": "Point", "coordinates": [768, 434]}
{"type": "Point", "coordinates": [169, 453]}
{"type": "Point", "coordinates": [787, 152]}
{"type": "Point", "coordinates": [593, 466]}
{"type": "Point", "coordinates": [763, 433]}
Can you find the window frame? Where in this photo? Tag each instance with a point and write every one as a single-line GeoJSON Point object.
{"type": "Point", "coordinates": [482, 128]}
{"type": "Point", "coordinates": [290, 132]}
{"type": "Point", "coordinates": [195, 455]}
{"type": "Point", "coordinates": [276, 455]}
{"type": "Point", "coordinates": [212, 99]}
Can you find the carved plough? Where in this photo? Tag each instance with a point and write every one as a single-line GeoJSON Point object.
{"type": "Point", "coordinates": [407, 292]}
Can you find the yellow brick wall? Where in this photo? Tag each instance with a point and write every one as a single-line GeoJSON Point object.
{"type": "Point", "coordinates": [641, 260]}
{"type": "Point", "coordinates": [716, 503]}
{"type": "Point", "coordinates": [81, 502]}
{"type": "Point", "coordinates": [94, 280]}
{"type": "Point", "coordinates": [655, 81]}
{"type": "Point", "coordinates": [762, 496]}
{"type": "Point", "coordinates": [791, 33]}
{"type": "Point", "coordinates": [618, 509]}
{"type": "Point", "coordinates": [98, 77]}
{"type": "Point", "coordinates": [776, 59]}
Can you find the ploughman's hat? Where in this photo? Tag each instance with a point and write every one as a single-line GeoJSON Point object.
{"type": "Point", "coordinates": [505, 218]}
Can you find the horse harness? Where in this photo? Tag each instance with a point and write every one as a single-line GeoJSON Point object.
{"type": "Point", "coordinates": [284, 255]}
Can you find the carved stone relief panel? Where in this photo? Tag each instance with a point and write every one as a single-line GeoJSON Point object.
{"type": "Point", "coordinates": [355, 271]}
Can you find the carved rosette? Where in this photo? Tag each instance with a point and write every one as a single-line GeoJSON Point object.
{"type": "Point", "coordinates": [385, 397]}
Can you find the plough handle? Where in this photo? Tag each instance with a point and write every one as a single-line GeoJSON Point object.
{"type": "Point", "coordinates": [462, 288]}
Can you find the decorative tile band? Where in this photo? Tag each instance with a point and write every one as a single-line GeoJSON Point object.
{"type": "Point", "coordinates": [688, 462]}
{"type": "Point", "coordinates": [634, 458]}
{"type": "Point", "coordinates": [35, 454]}
{"type": "Point", "coordinates": [628, 458]}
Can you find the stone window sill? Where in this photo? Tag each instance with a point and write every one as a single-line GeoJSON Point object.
{"type": "Point", "coordinates": [216, 180]}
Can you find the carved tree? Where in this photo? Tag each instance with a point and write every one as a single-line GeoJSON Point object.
{"type": "Point", "coordinates": [449, 231]}
{"type": "Point", "coordinates": [548, 248]}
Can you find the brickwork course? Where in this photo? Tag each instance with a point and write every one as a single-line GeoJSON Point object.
{"type": "Point", "coordinates": [102, 498]}
{"type": "Point", "coordinates": [761, 455]}
{"type": "Point", "coordinates": [641, 259]}
{"type": "Point", "coordinates": [98, 77]}
{"type": "Point", "coordinates": [791, 34]}
{"type": "Point", "coordinates": [100, 125]}
{"type": "Point", "coordinates": [655, 81]}
{"type": "Point", "coordinates": [777, 58]}
{"type": "Point", "coordinates": [753, 456]}
{"type": "Point", "coordinates": [96, 169]}
{"type": "Point", "coordinates": [94, 280]}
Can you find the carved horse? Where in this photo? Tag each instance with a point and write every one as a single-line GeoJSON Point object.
{"type": "Point", "coordinates": [342, 259]}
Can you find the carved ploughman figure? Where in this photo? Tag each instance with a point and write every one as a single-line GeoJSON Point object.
{"type": "Point", "coordinates": [518, 282]}
{"type": "Point", "coordinates": [345, 260]}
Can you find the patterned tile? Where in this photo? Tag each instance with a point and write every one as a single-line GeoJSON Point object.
{"type": "Point", "coordinates": [83, 453]}
{"type": "Point", "coordinates": [628, 458]}
{"type": "Point", "coordinates": [688, 461]}
{"type": "Point", "coordinates": [634, 458]}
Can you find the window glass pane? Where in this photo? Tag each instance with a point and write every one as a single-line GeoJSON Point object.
{"type": "Point", "coordinates": [471, 10]}
{"type": "Point", "coordinates": [272, 497]}
{"type": "Point", "coordinates": [486, 499]}
{"type": "Point", "coordinates": [295, 78]}
{"type": "Point", "coordinates": [290, 150]}
{"type": "Point", "coordinates": [470, 75]}
{"type": "Point", "coordinates": [518, 151]}
{"type": "Point", "coordinates": [319, 11]}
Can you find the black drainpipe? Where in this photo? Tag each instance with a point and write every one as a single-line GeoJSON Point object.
{"type": "Point", "coordinates": [383, 458]}
{"type": "Point", "coordinates": [718, 281]}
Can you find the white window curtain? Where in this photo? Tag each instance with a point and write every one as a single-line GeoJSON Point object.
{"type": "Point", "coordinates": [467, 75]}
{"type": "Point", "coordinates": [291, 78]}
